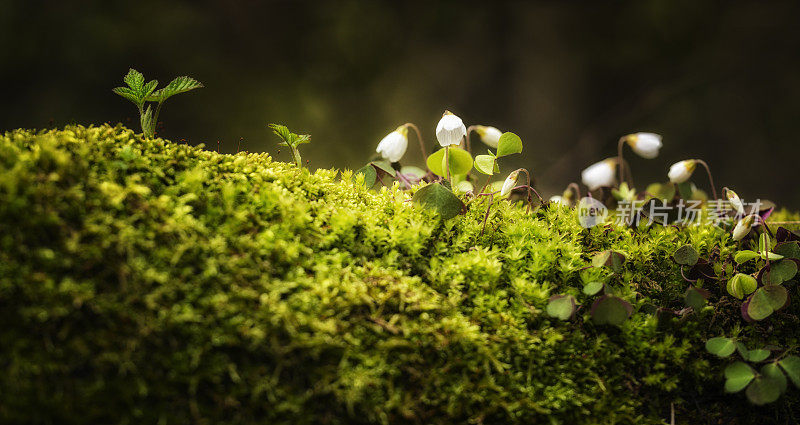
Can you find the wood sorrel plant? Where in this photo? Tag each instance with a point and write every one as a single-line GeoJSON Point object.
{"type": "Point", "coordinates": [138, 92]}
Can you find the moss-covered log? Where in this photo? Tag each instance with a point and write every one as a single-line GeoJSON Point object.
{"type": "Point", "coordinates": [144, 281]}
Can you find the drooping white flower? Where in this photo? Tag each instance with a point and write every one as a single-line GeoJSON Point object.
{"type": "Point", "coordinates": [450, 130]}
{"type": "Point", "coordinates": [645, 145]}
{"type": "Point", "coordinates": [509, 183]}
{"type": "Point", "coordinates": [734, 200]}
{"type": "Point", "coordinates": [489, 135]}
{"type": "Point", "coordinates": [394, 145]}
{"type": "Point", "coordinates": [743, 227]}
{"type": "Point", "coordinates": [599, 174]}
{"type": "Point", "coordinates": [679, 172]}
{"type": "Point", "coordinates": [557, 199]}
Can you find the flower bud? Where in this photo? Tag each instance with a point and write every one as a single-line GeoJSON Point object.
{"type": "Point", "coordinates": [743, 227]}
{"type": "Point", "coordinates": [509, 184]}
{"type": "Point", "coordinates": [394, 145]}
{"type": "Point", "coordinates": [489, 135]}
{"type": "Point", "coordinates": [600, 174]}
{"type": "Point", "coordinates": [734, 200]}
{"type": "Point", "coordinates": [645, 145]}
{"type": "Point", "coordinates": [450, 130]}
{"type": "Point", "coordinates": [679, 172]}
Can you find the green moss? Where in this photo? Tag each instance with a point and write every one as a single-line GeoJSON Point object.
{"type": "Point", "coordinates": [143, 281]}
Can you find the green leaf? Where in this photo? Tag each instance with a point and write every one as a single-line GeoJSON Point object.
{"type": "Point", "coordinates": [772, 372]}
{"type": "Point", "coordinates": [686, 255]}
{"type": "Point", "coordinates": [791, 365]}
{"type": "Point", "coordinates": [485, 164]}
{"type": "Point", "coordinates": [135, 80]}
{"type": "Point", "coordinates": [179, 85]}
{"type": "Point", "coordinates": [788, 249]}
{"type": "Point", "coordinates": [508, 144]}
{"type": "Point", "coordinates": [685, 190]}
{"type": "Point", "coordinates": [661, 190]}
{"type": "Point", "coordinates": [721, 346]}
{"type": "Point", "coordinates": [737, 376]}
{"type": "Point", "coordinates": [763, 242]}
{"type": "Point", "coordinates": [592, 288]}
{"type": "Point", "coordinates": [611, 259]}
{"type": "Point", "coordinates": [741, 284]}
{"type": "Point", "coordinates": [385, 166]}
{"type": "Point", "coordinates": [744, 256]}
{"type": "Point", "coordinates": [148, 89]}
{"type": "Point", "coordinates": [148, 125]}
{"type": "Point", "coordinates": [438, 198]}
{"type": "Point", "coordinates": [561, 306]}
{"type": "Point", "coordinates": [695, 298]}
{"type": "Point", "coordinates": [763, 390]}
{"type": "Point", "coordinates": [128, 93]}
{"type": "Point", "coordinates": [757, 355]}
{"type": "Point", "coordinates": [609, 310]}
{"type": "Point", "coordinates": [411, 170]}
{"type": "Point", "coordinates": [370, 175]}
{"type": "Point", "coordinates": [460, 162]}
{"type": "Point", "coordinates": [766, 300]}
{"type": "Point", "coordinates": [779, 272]}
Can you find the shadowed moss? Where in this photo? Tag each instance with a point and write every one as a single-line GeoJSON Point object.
{"type": "Point", "coordinates": [144, 281]}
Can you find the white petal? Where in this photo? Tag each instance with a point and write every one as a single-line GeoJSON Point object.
{"type": "Point", "coordinates": [743, 227]}
{"type": "Point", "coordinates": [599, 174]}
{"type": "Point", "coordinates": [646, 145]}
{"type": "Point", "coordinates": [489, 135]}
{"type": "Point", "coordinates": [509, 183]}
{"type": "Point", "coordinates": [679, 172]}
{"type": "Point", "coordinates": [450, 130]}
{"type": "Point", "coordinates": [393, 146]}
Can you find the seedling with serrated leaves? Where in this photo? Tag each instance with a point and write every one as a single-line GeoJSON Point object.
{"type": "Point", "coordinates": [291, 140]}
{"type": "Point", "coordinates": [140, 92]}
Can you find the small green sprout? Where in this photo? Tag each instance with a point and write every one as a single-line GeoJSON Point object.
{"type": "Point", "coordinates": [138, 92]}
{"type": "Point", "coordinates": [291, 140]}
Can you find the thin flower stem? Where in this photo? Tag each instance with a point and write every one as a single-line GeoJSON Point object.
{"type": "Point", "coordinates": [419, 138]}
{"type": "Point", "coordinates": [488, 179]}
{"type": "Point", "coordinates": [710, 178]}
{"type": "Point", "coordinates": [619, 158]}
{"type": "Point", "coordinates": [577, 189]}
{"type": "Point", "coordinates": [466, 138]}
{"type": "Point", "coordinates": [486, 216]}
{"type": "Point", "coordinates": [447, 164]}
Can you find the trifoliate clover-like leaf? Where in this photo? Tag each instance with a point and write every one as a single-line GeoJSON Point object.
{"type": "Point", "coordinates": [438, 198]}
{"type": "Point", "coordinates": [508, 144]}
{"type": "Point", "coordinates": [744, 256]}
{"type": "Point", "coordinates": [561, 306]}
{"type": "Point", "coordinates": [791, 365]}
{"type": "Point", "coordinates": [766, 300]}
{"type": "Point", "coordinates": [741, 285]}
{"type": "Point", "coordinates": [721, 346]}
{"type": "Point", "coordinates": [686, 255]}
{"type": "Point", "coordinates": [610, 310]}
{"type": "Point", "coordinates": [485, 164]}
{"type": "Point", "coordinates": [370, 175]}
{"type": "Point", "coordinates": [779, 272]}
{"type": "Point", "coordinates": [460, 162]}
{"type": "Point", "coordinates": [738, 376]}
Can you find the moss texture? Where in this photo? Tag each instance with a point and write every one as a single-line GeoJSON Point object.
{"type": "Point", "coordinates": [144, 281]}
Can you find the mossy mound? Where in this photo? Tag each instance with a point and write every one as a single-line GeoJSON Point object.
{"type": "Point", "coordinates": [144, 281]}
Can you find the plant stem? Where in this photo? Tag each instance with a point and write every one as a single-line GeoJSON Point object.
{"type": "Point", "coordinates": [577, 189]}
{"type": "Point", "coordinates": [466, 138]}
{"type": "Point", "coordinates": [619, 158]}
{"type": "Point", "coordinates": [419, 138]}
{"type": "Point", "coordinates": [447, 164]}
{"type": "Point", "coordinates": [710, 179]}
{"type": "Point", "coordinates": [296, 156]}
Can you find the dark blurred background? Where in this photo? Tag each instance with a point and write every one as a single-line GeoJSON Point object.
{"type": "Point", "coordinates": [719, 80]}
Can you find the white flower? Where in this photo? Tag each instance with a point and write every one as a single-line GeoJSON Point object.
{"type": "Point", "coordinates": [743, 227]}
{"type": "Point", "coordinates": [734, 200]}
{"type": "Point", "coordinates": [645, 145]}
{"type": "Point", "coordinates": [599, 174]}
{"type": "Point", "coordinates": [557, 199]}
{"type": "Point", "coordinates": [679, 172]}
{"type": "Point", "coordinates": [489, 135]}
{"type": "Point", "coordinates": [509, 184]}
{"type": "Point", "coordinates": [450, 130]}
{"type": "Point", "coordinates": [394, 145]}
